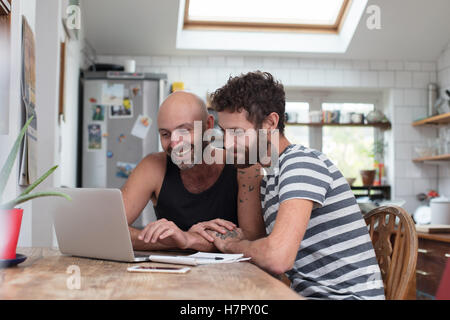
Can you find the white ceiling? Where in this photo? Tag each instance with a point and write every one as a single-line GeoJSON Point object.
{"type": "Point", "coordinates": [410, 30]}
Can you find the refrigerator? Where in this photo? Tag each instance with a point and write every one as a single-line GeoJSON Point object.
{"type": "Point", "coordinates": [118, 128]}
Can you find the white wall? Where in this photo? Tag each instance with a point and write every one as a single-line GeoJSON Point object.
{"type": "Point", "coordinates": [44, 18]}
{"type": "Point", "coordinates": [403, 84]}
{"type": "Point", "coordinates": [20, 8]}
{"type": "Point", "coordinates": [444, 83]}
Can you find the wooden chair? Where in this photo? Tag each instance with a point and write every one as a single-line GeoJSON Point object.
{"type": "Point", "coordinates": [394, 239]}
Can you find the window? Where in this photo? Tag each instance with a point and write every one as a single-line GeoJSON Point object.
{"type": "Point", "coordinates": [296, 15]}
{"type": "Point", "coordinates": [349, 148]}
{"type": "Point", "coordinates": [297, 112]}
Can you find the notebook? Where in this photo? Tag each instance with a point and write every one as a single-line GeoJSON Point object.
{"type": "Point", "coordinates": [199, 258]}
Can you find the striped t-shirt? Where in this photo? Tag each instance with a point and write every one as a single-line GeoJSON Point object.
{"type": "Point", "coordinates": [336, 259]}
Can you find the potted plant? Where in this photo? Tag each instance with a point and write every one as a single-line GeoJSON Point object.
{"type": "Point", "coordinates": [10, 216]}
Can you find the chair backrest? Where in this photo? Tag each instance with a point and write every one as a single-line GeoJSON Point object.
{"type": "Point", "coordinates": [394, 239]}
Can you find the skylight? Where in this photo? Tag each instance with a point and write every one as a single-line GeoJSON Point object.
{"type": "Point", "coordinates": [321, 15]}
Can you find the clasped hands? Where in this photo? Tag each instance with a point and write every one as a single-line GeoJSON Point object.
{"type": "Point", "coordinates": [218, 231]}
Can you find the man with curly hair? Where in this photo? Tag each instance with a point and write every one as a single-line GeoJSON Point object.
{"type": "Point", "coordinates": [316, 232]}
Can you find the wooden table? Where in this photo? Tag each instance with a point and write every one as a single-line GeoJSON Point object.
{"type": "Point", "coordinates": [46, 274]}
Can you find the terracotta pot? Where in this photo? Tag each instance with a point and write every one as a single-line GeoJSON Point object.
{"type": "Point", "coordinates": [10, 221]}
{"type": "Point", "coordinates": [368, 177]}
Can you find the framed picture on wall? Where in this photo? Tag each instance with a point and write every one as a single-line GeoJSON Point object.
{"type": "Point", "coordinates": [5, 27]}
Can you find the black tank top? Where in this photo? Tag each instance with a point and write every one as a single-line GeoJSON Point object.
{"type": "Point", "coordinates": [177, 204]}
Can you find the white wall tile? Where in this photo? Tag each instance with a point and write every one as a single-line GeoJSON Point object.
{"type": "Point", "coordinates": [398, 97]}
{"type": "Point", "coordinates": [352, 78]}
{"type": "Point", "coordinates": [299, 77]}
{"type": "Point", "coordinates": [421, 79]}
{"type": "Point", "coordinates": [403, 79]}
{"type": "Point", "coordinates": [316, 77]}
{"type": "Point", "coordinates": [289, 63]}
{"type": "Point", "coordinates": [271, 62]}
{"type": "Point", "coordinates": [307, 63]}
{"type": "Point", "coordinates": [235, 61]}
{"type": "Point", "coordinates": [254, 63]}
{"type": "Point", "coordinates": [179, 61]}
{"type": "Point", "coordinates": [378, 65]}
{"type": "Point", "coordinates": [326, 64]}
{"type": "Point", "coordinates": [429, 66]}
{"type": "Point", "coordinates": [386, 79]}
{"type": "Point", "coordinates": [403, 151]}
{"type": "Point", "coordinates": [104, 59]}
{"type": "Point", "coordinates": [207, 76]}
{"type": "Point", "coordinates": [360, 65]}
{"type": "Point", "coordinates": [216, 61]}
{"type": "Point", "coordinates": [369, 79]}
{"type": "Point", "coordinates": [395, 65]}
{"type": "Point", "coordinates": [143, 60]}
{"type": "Point", "coordinates": [173, 73]}
{"type": "Point", "coordinates": [343, 64]}
{"type": "Point", "coordinates": [403, 187]}
{"type": "Point", "coordinates": [160, 61]}
{"type": "Point", "coordinates": [412, 66]}
{"type": "Point", "coordinates": [418, 113]}
{"type": "Point", "coordinates": [334, 78]}
{"type": "Point", "coordinates": [415, 97]}
{"type": "Point", "coordinates": [198, 61]}
{"type": "Point", "coordinates": [402, 115]}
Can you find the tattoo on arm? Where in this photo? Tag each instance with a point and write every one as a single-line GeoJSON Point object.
{"type": "Point", "coordinates": [251, 188]}
{"type": "Point", "coordinates": [229, 234]}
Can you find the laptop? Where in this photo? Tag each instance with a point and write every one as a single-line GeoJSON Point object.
{"type": "Point", "coordinates": [93, 225]}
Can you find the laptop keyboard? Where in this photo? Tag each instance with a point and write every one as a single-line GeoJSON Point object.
{"type": "Point", "coordinates": [140, 255]}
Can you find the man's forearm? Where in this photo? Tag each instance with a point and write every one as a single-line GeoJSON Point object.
{"type": "Point", "coordinates": [197, 242]}
{"type": "Point", "coordinates": [141, 245]}
{"type": "Point", "coordinates": [258, 250]}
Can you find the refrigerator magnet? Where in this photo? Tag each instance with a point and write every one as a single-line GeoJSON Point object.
{"type": "Point", "coordinates": [121, 138]}
{"type": "Point", "coordinates": [124, 169]}
{"type": "Point", "coordinates": [109, 154]}
{"type": "Point", "coordinates": [125, 110]}
{"type": "Point", "coordinates": [94, 137]}
{"type": "Point", "coordinates": [141, 126]}
{"type": "Point", "coordinates": [98, 112]}
{"type": "Point", "coordinates": [112, 94]}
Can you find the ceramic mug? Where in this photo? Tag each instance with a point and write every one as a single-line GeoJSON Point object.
{"type": "Point", "coordinates": [357, 117]}
{"type": "Point", "coordinates": [346, 118]}
{"type": "Point", "coordinates": [315, 116]}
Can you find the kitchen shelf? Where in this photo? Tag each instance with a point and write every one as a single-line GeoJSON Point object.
{"type": "Point", "coordinates": [381, 125]}
{"type": "Point", "coordinates": [442, 157]}
{"type": "Point", "coordinates": [373, 192]}
{"type": "Point", "coordinates": [439, 119]}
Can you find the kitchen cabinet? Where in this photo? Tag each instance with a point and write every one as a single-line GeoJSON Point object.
{"type": "Point", "coordinates": [434, 251]}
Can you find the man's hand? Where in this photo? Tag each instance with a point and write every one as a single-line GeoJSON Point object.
{"type": "Point", "coordinates": [221, 241]}
{"type": "Point", "coordinates": [165, 232]}
{"type": "Point", "coordinates": [218, 225]}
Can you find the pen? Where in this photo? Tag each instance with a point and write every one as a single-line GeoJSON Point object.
{"type": "Point", "coordinates": [215, 258]}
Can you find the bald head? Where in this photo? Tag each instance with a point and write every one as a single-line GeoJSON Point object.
{"type": "Point", "coordinates": [182, 106]}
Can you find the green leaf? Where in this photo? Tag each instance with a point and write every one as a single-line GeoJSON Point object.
{"type": "Point", "coordinates": [7, 167]}
{"type": "Point", "coordinates": [38, 181]}
{"type": "Point", "coordinates": [21, 199]}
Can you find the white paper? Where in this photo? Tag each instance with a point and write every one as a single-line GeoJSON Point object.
{"type": "Point", "coordinates": [141, 126]}
{"type": "Point", "coordinates": [199, 258]}
{"type": "Point", "coordinates": [112, 94]}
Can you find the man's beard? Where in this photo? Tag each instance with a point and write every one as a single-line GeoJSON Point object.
{"type": "Point", "coordinates": [183, 155]}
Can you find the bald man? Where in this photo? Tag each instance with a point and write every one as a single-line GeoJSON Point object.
{"type": "Point", "coordinates": [189, 197]}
